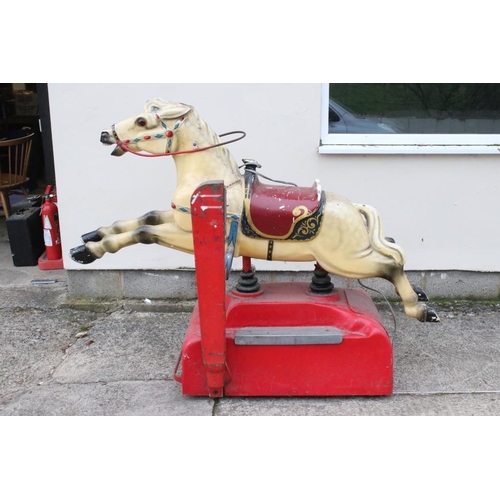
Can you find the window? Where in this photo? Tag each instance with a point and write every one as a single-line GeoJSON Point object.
{"type": "Point", "coordinates": [410, 118]}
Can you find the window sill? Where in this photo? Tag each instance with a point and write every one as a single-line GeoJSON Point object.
{"type": "Point", "coordinates": [405, 149]}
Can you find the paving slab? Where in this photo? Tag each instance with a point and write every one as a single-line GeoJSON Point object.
{"type": "Point", "coordinates": [126, 345]}
{"type": "Point", "coordinates": [28, 296]}
{"type": "Point", "coordinates": [395, 405]}
{"type": "Point", "coordinates": [33, 342]}
{"type": "Point", "coordinates": [460, 354]}
{"type": "Point", "coordinates": [125, 398]}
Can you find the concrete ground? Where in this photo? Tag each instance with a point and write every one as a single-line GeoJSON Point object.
{"type": "Point", "coordinates": [61, 356]}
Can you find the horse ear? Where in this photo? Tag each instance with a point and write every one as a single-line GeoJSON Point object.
{"type": "Point", "coordinates": [153, 105]}
{"type": "Point", "coordinates": [174, 110]}
{"type": "Point", "coordinates": [167, 110]}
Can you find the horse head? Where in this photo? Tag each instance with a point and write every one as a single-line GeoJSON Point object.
{"type": "Point", "coordinates": [153, 131]}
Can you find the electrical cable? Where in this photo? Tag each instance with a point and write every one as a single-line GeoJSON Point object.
{"type": "Point", "coordinates": [387, 302]}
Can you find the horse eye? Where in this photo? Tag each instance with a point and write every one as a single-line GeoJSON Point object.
{"type": "Point", "coordinates": [141, 122]}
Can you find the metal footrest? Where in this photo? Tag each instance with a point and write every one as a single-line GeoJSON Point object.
{"type": "Point", "coordinates": [299, 335]}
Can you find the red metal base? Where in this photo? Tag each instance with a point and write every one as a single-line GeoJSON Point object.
{"type": "Point", "coordinates": [360, 365]}
{"type": "Point", "coordinates": [47, 265]}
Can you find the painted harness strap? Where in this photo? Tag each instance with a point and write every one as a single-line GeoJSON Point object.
{"type": "Point", "coordinates": [281, 212]}
{"type": "Point", "coordinates": [168, 133]}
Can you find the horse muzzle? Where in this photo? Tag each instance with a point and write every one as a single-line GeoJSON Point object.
{"type": "Point", "coordinates": [108, 140]}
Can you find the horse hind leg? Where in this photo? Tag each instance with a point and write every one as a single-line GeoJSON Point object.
{"type": "Point", "coordinates": [421, 295]}
{"type": "Point", "coordinates": [387, 248]}
{"type": "Point", "coordinates": [412, 297]}
{"type": "Point", "coordinates": [376, 265]}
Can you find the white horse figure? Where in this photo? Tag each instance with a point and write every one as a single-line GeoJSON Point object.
{"type": "Point", "coordinates": [349, 241]}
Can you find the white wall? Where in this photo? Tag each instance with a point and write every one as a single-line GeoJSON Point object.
{"type": "Point", "coordinates": [441, 209]}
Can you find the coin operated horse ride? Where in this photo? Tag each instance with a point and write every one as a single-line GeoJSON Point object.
{"type": "Point", "coordinates": [262, 339]}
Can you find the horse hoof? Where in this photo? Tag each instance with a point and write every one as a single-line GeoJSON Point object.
{"type": "Point", "coordinates": [92, 236]}
{"type": "Point", "coordinates": [422, 296]}
{"type": "Point", "coordinates": [81, 255]}
{"type": "Point", "coordinates": [430, 316]}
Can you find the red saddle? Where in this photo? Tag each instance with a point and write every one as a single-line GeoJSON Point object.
{"type": "Point", "coordinates": [281, 212]}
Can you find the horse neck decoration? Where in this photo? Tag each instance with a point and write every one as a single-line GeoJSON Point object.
{"type": "Point", "coordinates": [344, 238]}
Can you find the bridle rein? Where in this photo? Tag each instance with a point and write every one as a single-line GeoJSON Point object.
{"type": "Point", "coordinates": [169, 134]}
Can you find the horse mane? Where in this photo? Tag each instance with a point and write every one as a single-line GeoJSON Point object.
{"type": "Point", "coordinates": [212, 138]}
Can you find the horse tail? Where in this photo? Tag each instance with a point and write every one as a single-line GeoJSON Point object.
{"type": "Point", "coordinates": [378, 241]}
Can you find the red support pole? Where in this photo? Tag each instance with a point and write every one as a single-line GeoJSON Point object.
{"type": "Point", "coordinates": [208, 209]}
{"type": "Point", "coordinates": [247, 264]}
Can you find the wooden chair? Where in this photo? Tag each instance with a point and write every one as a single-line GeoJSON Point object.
{"type": "Point", "coordinates": [14, 159]}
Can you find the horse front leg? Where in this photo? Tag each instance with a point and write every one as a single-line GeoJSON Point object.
{"type": "Point", "coordinates": [168, 235]}
{"type": "Point", "coordinates": [153, 218]}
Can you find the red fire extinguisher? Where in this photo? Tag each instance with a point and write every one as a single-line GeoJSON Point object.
{"type": "Point", "coordinates": [50, 223]}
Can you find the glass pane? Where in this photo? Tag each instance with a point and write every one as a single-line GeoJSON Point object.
{"type": "Point", "coordinates": [414, 108]}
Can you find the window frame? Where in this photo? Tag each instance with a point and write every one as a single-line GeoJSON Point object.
{"type": "Point", "coordinates": [401, 143]}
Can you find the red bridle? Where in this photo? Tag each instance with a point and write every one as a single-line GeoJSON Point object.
{"type": "Point", "coordinates": [124, 146]}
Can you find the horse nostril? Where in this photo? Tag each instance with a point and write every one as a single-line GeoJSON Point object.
{"type": "Point", "coordinates": [105, 137]}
